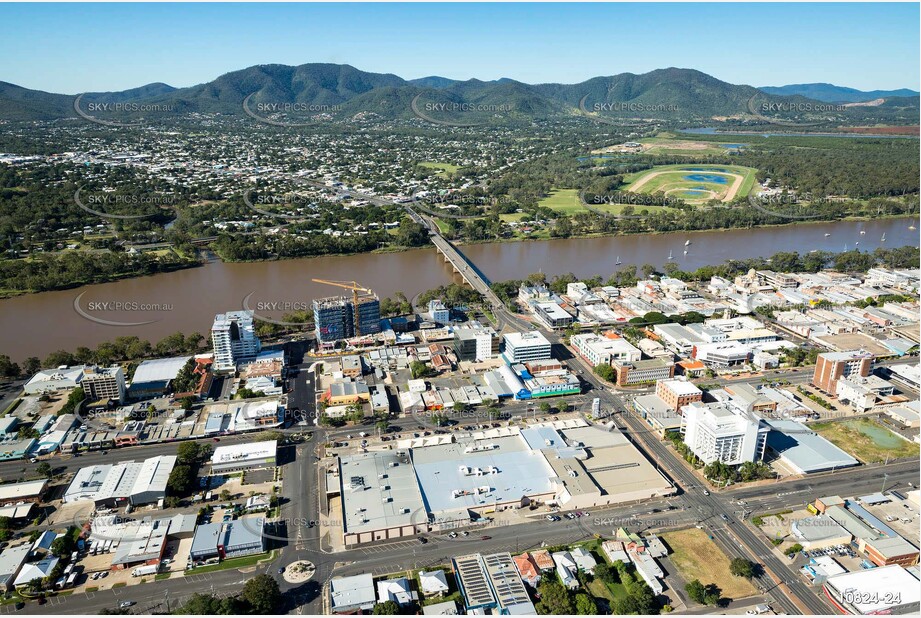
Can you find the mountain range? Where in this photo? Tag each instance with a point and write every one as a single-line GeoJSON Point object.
{"type": "Point", "coordinates": [342, 91]}
{"type": "Point", "coordinates": [830, 93]}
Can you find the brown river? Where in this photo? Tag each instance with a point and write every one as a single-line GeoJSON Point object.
{"type": "Point", "coordinates": [156, 306]}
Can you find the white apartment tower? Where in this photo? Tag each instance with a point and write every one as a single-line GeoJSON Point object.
{"type": "Point", "coordinates": [234, 339]}
{"type": "Point", "coordinates": [722, 432]}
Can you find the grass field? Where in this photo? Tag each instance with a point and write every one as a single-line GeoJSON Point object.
{"type": "Point", "coordinates": [617, 209]}
{"type": "Point", "coordinates": [866, 440]}
{"type": "Point", "coordinates": [667, 143]}
{"type": "Point", "coordinates": [608, 592]}
{"type": "Point", "coordinates": [697, 557]}
{"type": "Point", "coordinates": [694, 182]}
{"type": "Point", "coordinates": [565, 201]}
{"type": "Point", "coordinates": [443, 168]}
{"type": "Point", "coordinates": [442, 225]}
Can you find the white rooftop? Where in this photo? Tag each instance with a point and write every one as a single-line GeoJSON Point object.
{"type": "Point", "coordinates": [877, 590]}
{"type": "Point", "coordinates": [159, 370]}
{"type": "Point", "coordinates": [237, 452]}
{"type": "Point", "coordinates": [681, 387]}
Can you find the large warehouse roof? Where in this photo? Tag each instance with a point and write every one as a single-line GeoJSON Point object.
{"type": "Point", "coordinates": [125, 480]}
{"type": "Point", "coordinates": [473, 473]}
{"type": "Point", "coordinates": [379, 491]}
{"type": "Point", "coordinates": [22, 491]}
{"type": "Point", "coordinates": [158, 370]}
{"type": "Point", "coordinates": [804, 449]}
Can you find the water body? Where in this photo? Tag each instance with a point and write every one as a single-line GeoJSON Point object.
{"type": "Point", "coordinates": [720, 180]}
{"type": "Point", "coordinates": [715, 131]}
{"type": "Point", "coordinates": [36, 324]}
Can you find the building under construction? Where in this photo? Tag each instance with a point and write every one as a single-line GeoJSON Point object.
{"type": "Point", "coordinates": [343, 317]}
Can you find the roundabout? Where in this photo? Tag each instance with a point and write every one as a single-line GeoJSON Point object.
{"type": "Point", "coordinates": [299, 572]}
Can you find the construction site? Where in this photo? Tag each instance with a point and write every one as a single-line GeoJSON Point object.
{"type": "Point", "coordinates": [347, 316]}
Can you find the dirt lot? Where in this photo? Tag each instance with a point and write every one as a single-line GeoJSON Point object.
{"type": "Point", "coordinates": [697, 557]}
{"type": "Point", "coordinates": [71, 514]}
{"type": "Point", "coordinates": [234, 485]}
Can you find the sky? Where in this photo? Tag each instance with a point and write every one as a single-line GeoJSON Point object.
{"type": "Point", "coordinates": [73, 48]}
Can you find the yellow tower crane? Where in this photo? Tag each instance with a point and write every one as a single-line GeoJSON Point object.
{"type": "Point", "coordinates": [356, 288]}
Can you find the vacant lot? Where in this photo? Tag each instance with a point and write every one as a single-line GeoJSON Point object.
{"type": "Point", "coordinates": [866, 440]}
{"type": "Point", "coordinates": [666, 144]}
{"type": "Point", "coordinates": [443, 168]}
{"type": "Point", "coordinates": [697, 557]}
{"type": "Point", "coordinates": [565, 201]}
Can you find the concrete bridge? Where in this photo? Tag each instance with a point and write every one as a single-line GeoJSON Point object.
{"type": "Point", "coordinates": [458, 261]}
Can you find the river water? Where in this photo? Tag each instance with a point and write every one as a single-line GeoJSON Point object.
{"type": "Point", "coordinates": [36, 324]}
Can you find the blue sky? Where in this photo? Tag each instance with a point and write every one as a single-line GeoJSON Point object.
{"type": "Point", "coordinates": [73, 48]}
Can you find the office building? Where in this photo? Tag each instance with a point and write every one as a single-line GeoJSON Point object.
{"type": "Point", "coordinates": [339, 317]}
{"type": "Point", "coordinates": [102, 384]}
{"type": "Point", "coordinates": [49, 380]}
{"type": "Point", "coordinates": [475, 344]}
{"type": "Point", "coordinates": [722, 432]}
{"type": "Point", "coordinates": [524, 347]}
{"type": "Point", "coordinates": [438, 312]}
{"type": "Point", "coordinates": [553, 315]}
{"type": "Point", "coordinates": [832, 366]}
{"type": "Point", "coordinates": [677, 393]}
{"type": "Point", "coordinates": [605, 349]}
{"type": "Point", "coordinates": [861, 393]}
{"type": "Point", "coordinates": [234, 339]}
{"type": "Point", "coordinates": [643, 371]}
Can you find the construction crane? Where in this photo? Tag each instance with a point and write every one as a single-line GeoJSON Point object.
{"type": "Point", "coordinates": [356, 288]}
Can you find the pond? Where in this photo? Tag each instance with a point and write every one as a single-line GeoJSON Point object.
{"type": "Point", "coordinates": [880, 435]}
{"type": "Point", "coordinates": [720, 180]}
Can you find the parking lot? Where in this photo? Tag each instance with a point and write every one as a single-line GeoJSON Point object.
{"type": "Point", "coordinates": [900, 515]}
